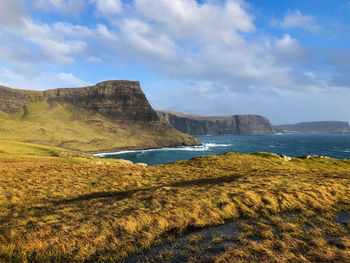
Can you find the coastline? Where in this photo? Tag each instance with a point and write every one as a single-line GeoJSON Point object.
{"type": "Point", "coordinates": [289, 145]}
{"type": "Point", "coordinates": [120, 150]}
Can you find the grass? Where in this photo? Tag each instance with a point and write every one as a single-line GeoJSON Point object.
{"type": "Point", "coordinates": [73, 209]}
{"type": "Point", "coordinates": [64, 126]}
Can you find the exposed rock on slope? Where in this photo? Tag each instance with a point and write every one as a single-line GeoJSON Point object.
{"type": "Point", "coordinates": [12, 100]}
{"type": "Point", "coordinates": [112, 115]}
{"type": "Point", "coordinates": [330, 127]}
{"type": "Point", "coordinates": [119, 100]}
{"type": "Point", "coordinates": [234, 124]}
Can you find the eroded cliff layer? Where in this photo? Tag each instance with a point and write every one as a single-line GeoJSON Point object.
{"type": "Point", "coordinates": [12, 100]}
{"type": "Point", "coordinates": [119, 100]}
{"type": "Point", "coordinates": [234, 124]}
{"type": "Point", "coordinates": [111, 115]}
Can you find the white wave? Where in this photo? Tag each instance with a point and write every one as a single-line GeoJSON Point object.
{"type": "Point", "coordinates": [184, 148]}
{"type": "Point", "coordinates": [216, 144]}
{"type": "Point", "coordinates": [115, 153]}
{"type": "Point", "coordinates": [202, 148]}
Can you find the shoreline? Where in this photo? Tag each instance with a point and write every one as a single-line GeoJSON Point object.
{"type": "Point", "coordinates": [201, 147]}
{"type": "Point", "coordinates": [135, 149]}
{"type": "Point", "coordinates": [139, 150]}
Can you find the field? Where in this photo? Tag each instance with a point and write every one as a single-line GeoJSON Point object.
{"type": "Point", "coordinates": [60, 206]}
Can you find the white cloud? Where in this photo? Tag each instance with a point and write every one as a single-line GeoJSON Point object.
{"type": "Point", "coordinates": [95, 59]}
{"type": "Point", "coordinates": [105, 33]}
{"type": "Point", "coordinates": [289, 49]}
{"type": "Point", "coordinates": [64, 6]}
{"type": "Point", "coordinates": [70, 30]}
{"type": "Point", "coordinates": [10, 12]}
{"type": "Point", "coordinates": [41, 81]}
{"type": "Point", "coordinates": [140, 37]}
{"type": "Point", "coordinates": [279, 107]}
{"type": "Point", "coordinates": [108, 8]}
{"type": "Point", "coordinates": [180, 39]}
{"type": "Point", "coordinates": [188, 40]}
{"type": "Point", "coordinates": [68, 79]}
{"type": "Point", "coordinates": [53, 41]}
{"type": "Point", "coordinates": [53, 45]}
{"type": "Point", "coordinates": [189, 19]}
{"type": "Point", "coordinates": [297, 19]}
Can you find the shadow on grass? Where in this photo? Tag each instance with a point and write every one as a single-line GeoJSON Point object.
{"type": "Point", "coordinates": [120, 195]}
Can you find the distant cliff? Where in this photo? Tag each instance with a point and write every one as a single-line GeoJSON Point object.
{"type": "Point", "coordinates": [109, 116]}
{"type": "Point", "coordinates": [327, 127]}
{"type": "Point", "coordinates": [234, 124]}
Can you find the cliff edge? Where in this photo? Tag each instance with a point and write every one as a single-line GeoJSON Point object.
{"type": "Point", "coordinates": [232, 124]}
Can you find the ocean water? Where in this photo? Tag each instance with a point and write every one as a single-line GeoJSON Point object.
{"type": "Point", "coordinates": [294, 145]}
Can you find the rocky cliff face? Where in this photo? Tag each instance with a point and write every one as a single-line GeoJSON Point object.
{"type": "Point", "coordinates": [119, 100]}
{"type": "Point", "coordinates": [327, 127]}
{"type": "Point", "coordinates": [235, 124]}
{"type": "Point", "coordinates": [12, 100]}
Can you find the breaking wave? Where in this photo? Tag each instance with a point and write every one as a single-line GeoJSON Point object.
{"type": "Point", "coordinates": [201, 148]}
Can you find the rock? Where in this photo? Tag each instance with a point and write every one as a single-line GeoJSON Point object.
{"type": "Point", "coordinates": [124, 161]}
{"type": "Point", "coordinates": [285, 158]}
{"type": "Point", "coordinates": [233, 124]}
{"type": "Point", "coordinates": [141, 164]}
{"type": "Point", "coordinates": [119, 100]}
{"type": "Point", "coordinates": [13, 100]}
{"type": "Point", "coordinates": [308, 156]}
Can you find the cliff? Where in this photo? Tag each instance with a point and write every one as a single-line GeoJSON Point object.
{"type": "Point", "coordinates": [325, 127]}
{"type": "Point", "coordinates": [234, 124]}
{"type": "Point", "coordinates": [118, 100]}
{"type": "Point", "coordinates": [12, 100]}
{"type": "Point", "coordinates": [109, 116]}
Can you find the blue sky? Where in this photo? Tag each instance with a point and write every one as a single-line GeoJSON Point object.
{"type": "Point", "coordinates": [285, 59]}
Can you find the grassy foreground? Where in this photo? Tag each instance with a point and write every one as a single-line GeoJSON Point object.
{"type": "Point", "coordinates": [77, 208]}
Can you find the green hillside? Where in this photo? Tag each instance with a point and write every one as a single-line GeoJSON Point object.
{"type": "Point", "coordinates": [52, 122]}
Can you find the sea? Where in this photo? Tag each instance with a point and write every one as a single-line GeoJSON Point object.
{"type": "Point", "coordinates": [294, 145]}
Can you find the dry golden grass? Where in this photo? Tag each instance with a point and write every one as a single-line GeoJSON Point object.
{"type": "Point", "coordinates": [74, 209]}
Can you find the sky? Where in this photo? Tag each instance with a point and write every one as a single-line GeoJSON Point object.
{"type": "Point", "coordinates": [288, 60]}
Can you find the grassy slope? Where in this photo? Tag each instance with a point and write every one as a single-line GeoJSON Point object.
{"type": "Point", "coordinates": [13, 148]}
{"type": "Point", "coordinates": [69, 209]}
{"type": "Point", "coordinates": [58, 125]}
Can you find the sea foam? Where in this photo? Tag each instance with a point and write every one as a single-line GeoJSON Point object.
{"type": "Point", "coordinates": [201, 148]}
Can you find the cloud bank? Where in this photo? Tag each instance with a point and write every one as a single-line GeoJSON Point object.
{"type": "Point", "coordinates": [212, 49]}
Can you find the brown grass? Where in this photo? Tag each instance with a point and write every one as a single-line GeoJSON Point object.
{"type": "Point", "coordinates": [75, 209]}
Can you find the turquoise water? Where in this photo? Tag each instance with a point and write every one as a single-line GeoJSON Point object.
{"type": "Point", "coordinates": [336, 146]}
